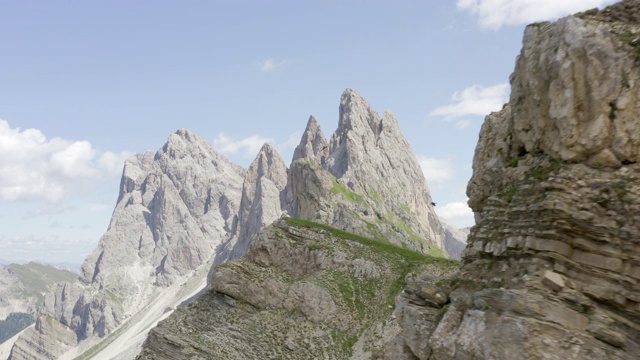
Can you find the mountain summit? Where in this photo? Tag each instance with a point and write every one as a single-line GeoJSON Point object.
{"type": "Point", "coordinates": [186, 208]}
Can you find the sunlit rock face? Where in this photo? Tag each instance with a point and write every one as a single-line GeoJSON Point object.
{"type": "Point", "coordinates": [552, 266]}
{"type": "Point", "coordinates": [368, 181]}
{"type": "Point", "coordinates": [174, 209]}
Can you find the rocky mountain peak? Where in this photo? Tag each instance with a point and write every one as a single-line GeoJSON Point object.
{"type": "Point", "coordinates": [268, 164]}
{"type": "Point", "coordinates": [175, 208]}
{"type": "Point", "coordinates": [313, 145]}
{"type": "Point", "coordinates": [368, 162]}
{"type": "Point", "coordinates": [264, 198]}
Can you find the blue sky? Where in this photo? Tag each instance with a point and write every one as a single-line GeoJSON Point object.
{"type": "Point", "coordinates": [84, 84]}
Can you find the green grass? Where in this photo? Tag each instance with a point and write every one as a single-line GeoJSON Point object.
{"type": "Point", "coordinates": [542, 172]}
{"type": "Point", "coordinates": [632, 39]}
{"type": "Point", "coordinates": [375, 196]}
{"type": "Point", "coordinates": [339, 189]}
{"type": "Point", "coordinates": [375, 245]}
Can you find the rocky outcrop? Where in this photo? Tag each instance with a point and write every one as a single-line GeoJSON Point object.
{"type": "Point", "coordinates": [303, 291]}
{"type": "Point", "coordinates": [313, 145]}
{"type": "Point", "coordinates": [174, 209]}
{"type": "Point", "coordinates": [368, 183]}
{"type": "Point", "coordinates": [264, 199]}
{"type": "Point", "coordinates": [552, 266]}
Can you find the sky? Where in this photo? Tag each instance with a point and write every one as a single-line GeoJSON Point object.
{"type": "Point", "coordinates": [85, 83]}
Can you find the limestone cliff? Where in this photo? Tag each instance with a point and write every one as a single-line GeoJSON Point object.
{"type": "Point", "coordinates": [303, 291]}
{"type": "Point", "coordinates": [368, 181]}
{"type": "Point", "coordinates": [174, 209]}
{"type": "Point", "coordinates": [264, 199]}
{"type": "Point", "coordinates": [313, 145]}
{"type": "Point", "coordinates": [552, 268]}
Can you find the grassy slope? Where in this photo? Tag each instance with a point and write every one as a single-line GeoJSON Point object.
{"type": "Point", "coordinates": [362, 302]}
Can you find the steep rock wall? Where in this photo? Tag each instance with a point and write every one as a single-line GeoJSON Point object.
{"type": "Point", "coordinates": [174, 209]}
{"type": "Point", "coordinates": [552, 267]}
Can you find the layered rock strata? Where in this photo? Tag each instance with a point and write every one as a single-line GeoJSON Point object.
{"type": "Point", "coordinates": [552, 269]}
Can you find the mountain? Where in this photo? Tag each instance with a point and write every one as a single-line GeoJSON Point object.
{"type": "Point", "coordinates": [22, 290]}
{"type": "Point", "coordinates": [186, 208]}
{"type": "Point", "coordinates": [551, 269]}
{"type": "Point", "coordinates": [175, 208]}
{"type": "Point", "coordinates": [365, 180]}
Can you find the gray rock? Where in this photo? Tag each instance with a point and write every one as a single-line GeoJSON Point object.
{"type": "Point", "coordinates": [174, 209]}
{"type": "Point", "coordinates": [264, 199]}
{"type": "Point", "coordinates": [555, 186]}
{"type": "Point", "coordinates": [313, 145]}
{"type": "Point", "coordinates": [370, 182]}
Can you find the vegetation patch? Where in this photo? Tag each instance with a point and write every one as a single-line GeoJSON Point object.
{"type": "Point", "coordinates": [542, 172]}
{"type": "Point", "coordinates": [508, 194]}
{"type": "Point", "coordinates": [346, 193]}
{"type": "Point", "coordinates": [632, 39]}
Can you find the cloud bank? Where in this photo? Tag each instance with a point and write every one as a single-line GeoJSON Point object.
{"type": "Point", "coordinates": [248, 147]}
{"type": "Point", "coordinates": [474, 100]}
{"type": "Point", "coordinates": [457, 213]}
{"type": "Point", "coordinates": [436, 170]}
{"type": "Point", "coordinates": [493, 14]}
{"type": "Point", "coordinates": [33, 167]}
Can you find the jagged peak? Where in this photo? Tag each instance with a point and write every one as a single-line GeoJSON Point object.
{"type": "Point", "coordinates": [268, 163]}
{"type": "Point", "coordinates": [356, 114]}
{"type": "Point", "coordinates": [313, 145]}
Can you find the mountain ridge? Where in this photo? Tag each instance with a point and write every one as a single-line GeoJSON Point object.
{"type": "Point", "coordinates": [186, 208]}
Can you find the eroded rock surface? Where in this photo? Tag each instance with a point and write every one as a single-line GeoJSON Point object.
{"type": "Point", "coordinates": [175, 207]}
{"type": "Point", "coordinates": [369, 182]}
{"type": "Point", "coordinates": [552, 266]}
{"type": "Point", "coordinates": [303, 291]}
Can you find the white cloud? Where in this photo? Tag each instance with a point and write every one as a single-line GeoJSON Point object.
{"type": "Point", "coordinates": [248, 146]}
{"type": "Point", "coordinates": [474, 100]}
{"type": "Point", "coordinates": [49, 210]}
{"type": "Point", "coordinates": [457, 213]}
{"type": "Point", "coordinates": [35, 168]}
{"type": "Point", "coordinates": [44, 249]}
{"type": "Point", "coordinates": [271, 64]}
{"type": "Point", "coordinates": [436, 170]}
{"type": "Point", "coordinates": [493, 14]}
{"type": "Point", "coordinates": [111, 163]}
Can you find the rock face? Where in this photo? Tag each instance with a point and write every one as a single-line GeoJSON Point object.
{"type": "Point", "coordinates": [369, 182]}
{"type": "Point", "coordinates": [174, 209]}
{"type": "Point", "coordinates": [303, 291]}
{"type": "Point", "coordinates": [22, 285]}
{"type": "Point", "coordinates": [552, 266]}
{"type": "Point", "coordinates": [313, 145]}
{"type": "Point", "coordinates": [264, 198]}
